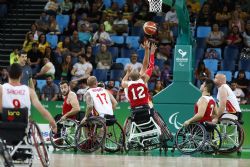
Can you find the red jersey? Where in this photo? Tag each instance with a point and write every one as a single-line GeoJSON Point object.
{"type": "Point", "coordinates": [209, 110]}
{"type": "Point", "coordinates": [137, 93]}
{"type": "Point", "coordinates": [66, 108]}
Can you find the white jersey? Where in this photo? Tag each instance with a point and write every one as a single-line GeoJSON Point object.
{"type": "Point", "coordinates": [232, 105]}
{"type": "Point", "coordinates": [102, 102]}
{"type": "Point", "coordinates": [16, 96]}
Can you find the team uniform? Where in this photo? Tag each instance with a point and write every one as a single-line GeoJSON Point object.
{"type": "Point", "coordinates": [209, 110]}
{"type": "Point", "coordinates": [67, 108]}
{"type": "Point", "coordinates": [102, 102]}
{"type": "Point", "coordinates": [16, 96]}
{"type": "Point", "coordinates": [232, 105]}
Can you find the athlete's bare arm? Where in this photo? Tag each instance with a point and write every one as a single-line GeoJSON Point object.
{"type": "Point", "coordinates": [74, 103]}
{"type": "Point", "coordinates": [146, 46]}
{"type": "Point", "coordinates": [89, 106]}
{"type": "Point", "coordinates": [31, 84]}
{"type": "Point", "coordinates": [202, 105]}
{"type": "Point", "coordinates": [215, 114]}
{"type": "Point", "coordinates": [45, 113]}
{"type": "Point", "coordinates": [125, 78]}
{"type": "Point", "coordinates": [1, 90]}
{"type": "Point", "coordinates": [222, 100]}
{"type": "Point", "coordinates": [113, 101]}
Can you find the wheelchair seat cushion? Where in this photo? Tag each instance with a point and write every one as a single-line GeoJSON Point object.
{"type": "Point", "coordinates": [141, 115]}
{"type": "Point", "coordinates": [110, 119]}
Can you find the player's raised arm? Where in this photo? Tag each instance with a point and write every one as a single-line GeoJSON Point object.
{"type": "Point", "coordinates": [146, 46]}
{"type": "Point", "coordinates": [45, 113]}
{"type": "Point", "coordinates": [125, 78]}
{"type": "Point", "coordinates": [150, 68]}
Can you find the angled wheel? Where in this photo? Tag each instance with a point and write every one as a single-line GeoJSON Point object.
{"type": "Point", "coordinates": [232, 135]}
{"type": "Point", "coordinates": [38, 142]}
{"type": "Point", "coordinates": [126, 129]}
{"type": "Point", "coordinates": [190, 139]}
{"type": "Point", "coordinates": [115, 138]}
{"type": "Point", "coordinates": [90, 136]}
{"type": "Point", "coordinates": [65, 137]}
{"type": "Point", "coordinates": [213, 142]}
{"type": "Point", "coordinates": [5, 158]}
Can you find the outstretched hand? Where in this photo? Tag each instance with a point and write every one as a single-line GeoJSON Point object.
{"type": "Point", "coordinates": [146, 44]}
{"type": "Point", "coordinates": [129, 69]}
{"type": "Point", "coordinates": [153, 48]}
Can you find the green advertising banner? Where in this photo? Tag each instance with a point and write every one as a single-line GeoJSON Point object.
{"type": "Point", "coordinates": [174, 120]}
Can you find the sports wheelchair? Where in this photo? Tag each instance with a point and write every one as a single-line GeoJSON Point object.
{"type": "Point", "coordinates": [98, 132]}
{"type": "Point", "coordinates": [146, 130]}
{"type": "Point", "coordinates": [232, 133]}
{"type": "Point", "coordinates": [22, 137]}
{"type": "Point", "coordinates": [203, 137]}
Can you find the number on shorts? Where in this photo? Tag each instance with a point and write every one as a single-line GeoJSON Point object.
{"type": "Point", "coordinates": [138, 93]}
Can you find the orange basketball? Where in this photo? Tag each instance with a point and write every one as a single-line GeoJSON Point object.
{"type": "Point", "coordinates": [150, 28]}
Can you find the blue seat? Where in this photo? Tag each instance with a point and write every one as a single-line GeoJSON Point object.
{"type": "Point", "coordinates": [159, 63]}
{"type": "Point", "coordinates": [203, 31]}
{"type": "Point", "coordinates": [211, 64]}
{"type": "Point", "coordinates": [218, 50]}
{"type": "Point", "coordinates": [85, 37]}
{"type": "Point", "coordinates": [114, 52]}
{"type": "Point", "coordinates": [199, 53]}
{"type": "Point", "coordinates": [140, 53]}
{"type": "Point", "coordinates": [228, 75]}
{"type": "Point", "coordinates": [231, 53]}
{"type": "Point", "coordinates": [62, 21]}
{"type": "Point", "coordinates": [151, 86]}
{"type": "Point", "coordinates": [247, 73]}
{"type": "Point", "coordinates": [136, 31]}
{"type": "Point", "coordinates": [228, 65]}
{"type": "Point", "coordinates": [95, 49]}
{"type": "Point", "coordinates": [117, 39]}
{"type": "Point", "coordinates": [125, 53]}
{"type": "Point", "coordinates": [120, 3]}
{"type": "Point", "coordinates": [124, 61]}
{"type": "Point", "coordinates": [116, 75]}
{"type": "Point", "coordinates": [101, 75]}
{"type": "Point", "coordinates": [40, 84]}
{"type": "Point", "coordinates": [133, 42]}
{"type": "Point", "coordinates": [107, 3]}
{"type": "Point", "coordinates": [244, 64]}
{"type": "Point", "coordinates": [52, 39]}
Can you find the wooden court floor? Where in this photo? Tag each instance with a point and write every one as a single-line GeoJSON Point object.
{"type": "Point", "coordinates": [60, 159]}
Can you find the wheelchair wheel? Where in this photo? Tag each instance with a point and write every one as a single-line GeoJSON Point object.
{"type": "Point", "coordinates": [5, 158]}
{"type": "Point", "coordinates": [65, 137]}
{"type": "Point", "coordinates": [38, 142]}
{"type": "Point", "coordinates": [190, 139]}
{"type": "Point", "coordinates": [213, 142]}
{"type": "Point", "coordinates": [90, 136]}
{"type": "Point", "coordinates": [164, 128]}
{"type": "Point", "coordinates": [126, 130]}
{"type": "Point", "coordinates": [232, 135]}
{"type": "Point", "coordinates": [115, 138]}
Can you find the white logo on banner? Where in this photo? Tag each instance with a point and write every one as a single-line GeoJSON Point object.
{"type": "Point", "coordinates": [182, 59]}
{"type": "Point", "coordinates": [173, 120]}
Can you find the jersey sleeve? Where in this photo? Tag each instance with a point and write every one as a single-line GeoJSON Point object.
{"type": "Point", "coordinates": [151, 65]}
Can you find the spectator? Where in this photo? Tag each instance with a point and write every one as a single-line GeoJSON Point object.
{"type": "Point", "coordinates": [26, 78]}
{"type": "Point", "coordinates": [53, 26]}
{"type": "Point", "coordinates": [242, 81]}
{"type": "Point", "coordinates": [27, 45]}
{"type": "Point", "coordinates": [72, 26]}
{"type": "Point", "coordinates": [14, 56]}
{"type": "Point", "coordinates": [127, 12]}
{"type": "Point", "coordinates": [35, 32]}
{"type": "Point", "coordinates": [171, 18]}
{"type": "Point", "coordinates": [142, 15]}
{"type": "Point", "coordinates": [195, 5]}
{"type": "Point", "coordinates": [34, 58]}
{"type": "Point", "coordinates": [204, 17]}
{"type": "Point", "coordinates": [234, 39]}
{"type": "Point", "coordinates": [42, 43]}
{"type": "Point", "coordinates": [246, 35]}
{"type": "Point", "coordinates": [101, 36]}
{"type": "Point", "coordinates": [156, 74]}
{"type": "Point", "coordinates": [89, 56]}
{"type": "Point", "coordinates": [238, 93]}
{"type": "Point", "coordinates": [82, 89]}
{"type": "Point", "coordinates": [86, 35]}
{"type": "Point", "coordinates": [120, 96]}
{"type": "Point", "coordinates": [83, 20]}
{"type": "Point", "coordinates": [4, 76]}
{"type": "Point", "coordinates": [236, 21]}
{"type": "Point", "coordinates": [223, 16]}
{"type": "Point", "coordinates": [81, 6]}
{"type": "Point", "coordinates": [50, 91]}
{"type": "Point", "coordinates": [63, 47]}
{"type": "Point", "coordinates": [66, 68]}
{"type": "Point", "coordinates": [66, 7]}
{"type": "Point", "coordinates": [50, 55]}
{"type": "Point", "coordinates": [111, 88]}
{"type": "Point", "coordinates": [211, 54]}
{"type": "Point", "coordinates": [120, 25]}
{"type": "Point", "coordinates": [165, 74]}
{"type": "Point", "coordinates": [216, 38]}
{"type": "Point", "coordinates": [37, 90]}
{"type": "Point", "coordinates": [158, 87]}
{"type": "Point", "coordinates": [111, 12]}
{"type": "Point", "coordinates": [242, 14]}
{"type": "Point", "coordinates": [108, 24]}
{"type": "Point", "coordinates": [94, 16]}
{"type": "Point", "coordinates": [42, 23]}
{"type": "Point", "coordinates": [82, 69]}
{"type": "Point", "coordinates": [48, 69]}
{"type": "Point", "coordinates": [51, 7]}
{"type": "Point", "coordinates": [76, 47]}
{"type": "Point", "coordinates": [133, 63]}
{"type": "Point", "coordinates": [103, 58]}
{"type": "Point", "coordinates": [201, 74]}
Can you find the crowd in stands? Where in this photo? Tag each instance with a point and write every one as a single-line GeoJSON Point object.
{"type": "Point", "coordinates": [74, 39]}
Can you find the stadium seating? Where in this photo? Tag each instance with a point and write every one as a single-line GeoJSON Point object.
{"type": "Point", "coordinates": [133, 42]}
{"type": "Point", "coordinates": [52, 39]}
{"type": "Point", "coordinates": [62, 21]}
{"type": "Point", "coordinates": [101, 75]}
{"type": "Point", "coordinates": [203, 31]}
{"type": "Point", "coordinates": [244, 64]}
{"type": "Point", "coordinates": [211, 64]}
{"type": "Point", "coordinates": [117, 39]}
{"type": "Point", "coordinates": [124, 61]}
{"type": "Point", "coordinates": [228, 65]}
{"type": "Point", "coordinates": [247, 73]}
{"type": "Point", "coordinates": [116, 74]}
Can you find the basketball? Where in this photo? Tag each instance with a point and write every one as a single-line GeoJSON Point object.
{"type": "Point", "coordinates": [150, 28]}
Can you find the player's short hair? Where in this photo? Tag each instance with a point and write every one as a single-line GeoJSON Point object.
{"type": "Point", "coordinates": [209, 85]}
{"type": "Point", "coordinates": [64, 82]}
{"type": "Point", "coordinates": [15, 71]}
{"type": "Point", "coordinates": [92, 81]}
{"type": "Point", "coordinates": [134, 75]}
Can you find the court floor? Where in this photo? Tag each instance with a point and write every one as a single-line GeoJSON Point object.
{"type": "Point", "coordinates": [148, 159]}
